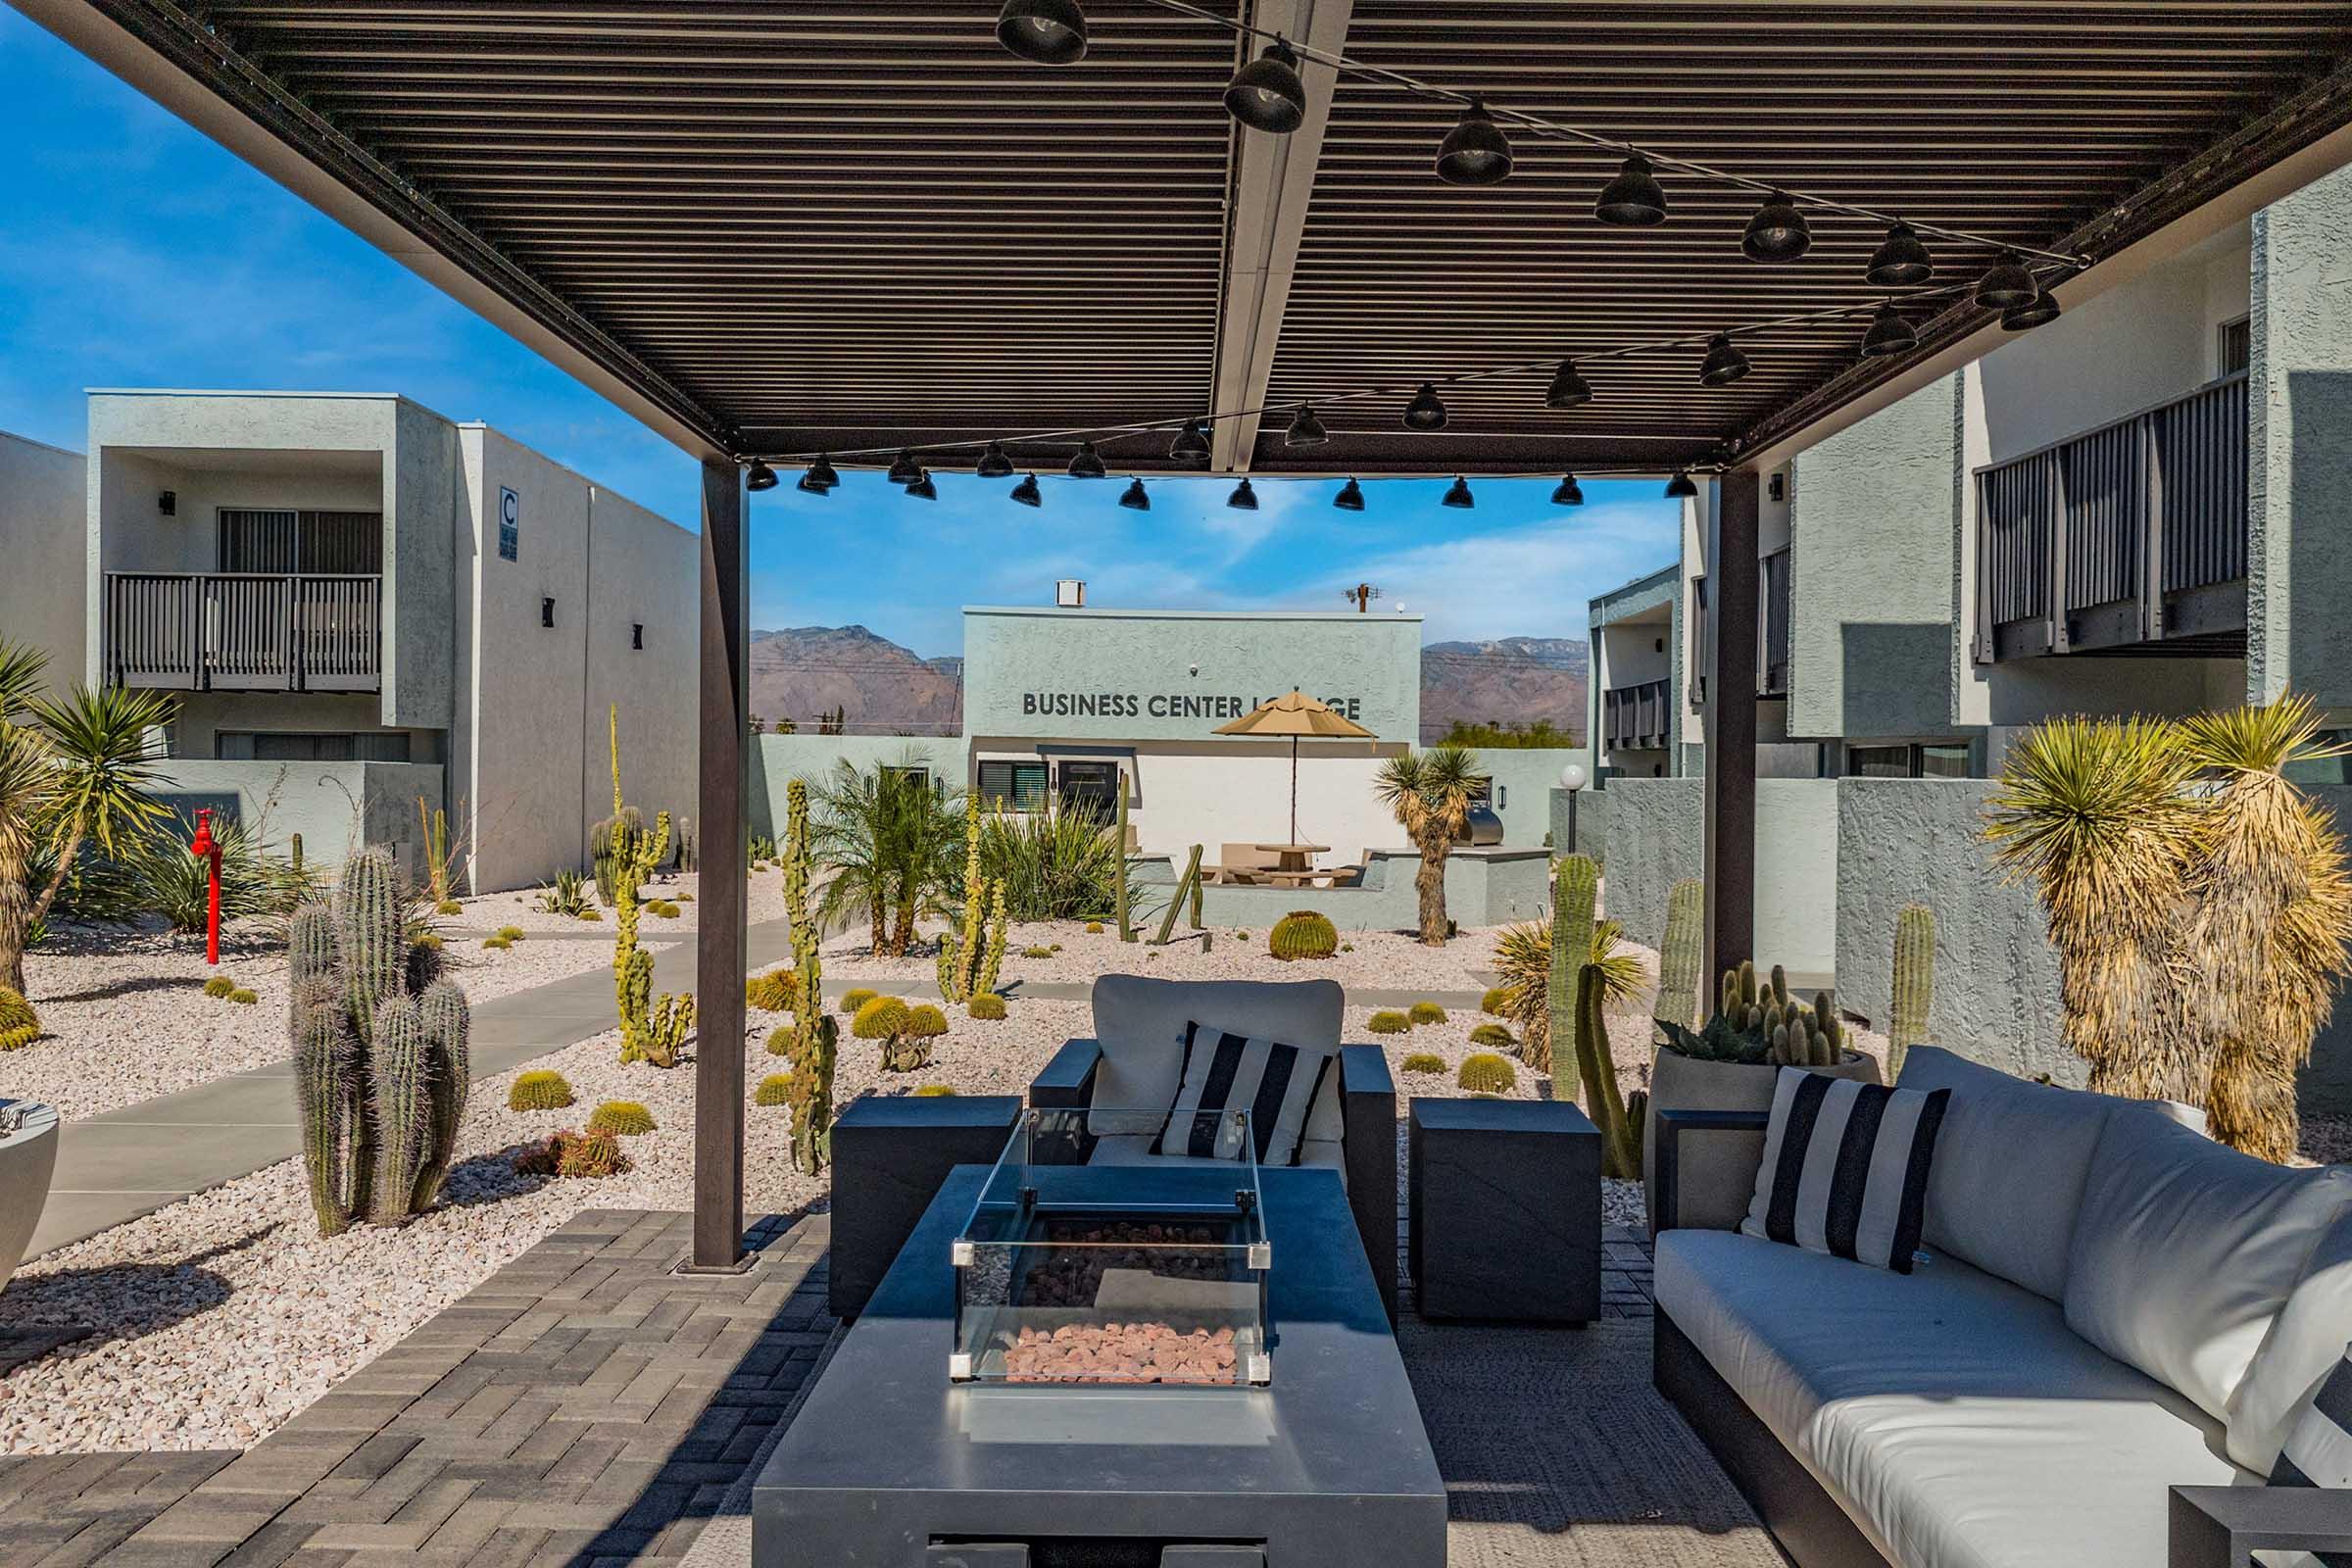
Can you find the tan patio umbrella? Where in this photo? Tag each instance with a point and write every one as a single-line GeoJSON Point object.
{"type": "Point", "coordinates": [1294, 715]}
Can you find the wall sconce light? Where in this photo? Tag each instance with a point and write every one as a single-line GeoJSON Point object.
{"type": "Point", "coordinates": [546, 611]}
{"type": "Point", "coordinates": [637, 636]}
{"type": "Point", "coordinates": [167, 503]}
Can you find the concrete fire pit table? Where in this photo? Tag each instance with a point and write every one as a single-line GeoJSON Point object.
{"type": "Point", "coordinates": [891, 1465]}
{"type": "Point", "coordinates": [27, 1157]}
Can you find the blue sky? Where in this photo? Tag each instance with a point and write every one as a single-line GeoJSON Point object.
{"type": "Point", "coordinates": [134, 252]}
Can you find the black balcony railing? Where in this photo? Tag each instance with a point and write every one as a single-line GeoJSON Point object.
{"type": "Point", "coordinates": [244, 631]}
{"type": "Point", "coordinates": [1636, 718]}
{"type": "Point", "coordinates": [1772, 668]}
{"type": "Point", "coordinates": [2129, 538]}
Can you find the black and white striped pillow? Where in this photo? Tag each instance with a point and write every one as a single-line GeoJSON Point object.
{"type": "Point", "coordinates": [2319, 1447]}
{"type": "Point", "coordinates": [1845, 1168]}
{"type": "Point", "coordinates": [1223, 1071]}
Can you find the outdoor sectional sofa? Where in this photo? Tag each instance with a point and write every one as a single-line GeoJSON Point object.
{"type": "Point", "coordinates": [2094, 1364]}
{"type": "Point", "coordinates": [1135, 1063]}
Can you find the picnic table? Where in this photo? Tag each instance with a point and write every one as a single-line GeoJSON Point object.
{"type": "Point", "coordinates": [1290, 857]}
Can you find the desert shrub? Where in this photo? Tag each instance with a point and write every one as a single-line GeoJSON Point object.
{"type": "Point", "coordinates": [541, 1089]}
{"type": "Point", "coordinates": [498, 944]}
{"type": "Point", "coordinates": [513, 933]}
{"type": "Point", "coordinates": [1493, 1035]}
{"type": "Point", "coordinates": [156, 875]}
{"type": "Point", "coordinates": [1424, 1062]}
{"type": "Point", "coordinates": [1058, 865]}
{"type": "Point", "coordinates": [218, 984]}
{"type": "Point", "coordinates": [987, 1005]}
{"type": "Point", "coordinates": [449, 906]}
{"type": "Point", "coordinates": [935, 1091]}
{"type": "Point", "coordinates": [854, 998]}
{"type": "Point", "coordinates": [1495, 999]}
{"type": "Point", "coordinates": [244, 998]}
{"type": "Point", "coordinates": [774, 1090]}
{"type": "Point", "coordinates": [623, 1118]}
{"type": "Point", "coordinates": [1388, 1021]}
{"type": "Point", "coordinates": [1427, 1012]}
{"type": "Point", "coordinates": [1485, 1073]}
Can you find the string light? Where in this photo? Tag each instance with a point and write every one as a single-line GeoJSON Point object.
{"type": "Point", "coordinates": [1900, 260]}
{"type": "Point", "coordinates": [1350, 497]}
{"type": "Point", "coordinates": [760, 476]}
{"type": "Point", "coordinates": [1888, 333]}
{"type": "Point", "coordinates": [1087, 462]}
{"type": "Point", "coordinates": [1778, 233]}
{"type": "Point", "coordinates": [1427, 411]}
{"type": "Point", "coordinates": [1266, 94]}
{"type": "Point", "coordinates": [993, 463]}
{"type": "Point", "coordinates": [923, 489]}
{"type": "Point", "coordinates": [1568, 389]}
{"type": "Point", "coordinates": [1569, 493]}
{"type": "Point", "coordinates": [1191, 445]}
{"type": "Point", "coordinates": [1243, 499]}
{"type": "Point", "coordinates": [1052, 33]}
{"type": "Point", "coordinates": [2008, 284]}
{"type": "Point", "coordinates": [1027, 492]}
{"type": "Point", "coordinates": [903, 470]}
{"type": "Point", "coordinates": [1679, 487]}
{"type": "Point", "coordinates": [1134, 499]}
{"type": "Point", "coordinates": [1305, 429]}
{"type": "Point", "coordinates": [1475, 152]}
{"type": "Point", "coordinates": [1724, 363]}
{"type": "Point", "coordinates": [1460, 497]}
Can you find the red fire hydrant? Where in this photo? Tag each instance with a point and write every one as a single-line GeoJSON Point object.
{"type": "Point", "coordinates": [207, 849]}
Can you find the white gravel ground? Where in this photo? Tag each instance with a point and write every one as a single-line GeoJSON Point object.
{"type": "Point", "coordinates": [126, 1019]}
{"type": "Point", "coordinates": [521, 906]}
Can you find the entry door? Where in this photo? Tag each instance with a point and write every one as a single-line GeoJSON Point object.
{"type": "Point", "coordinates": [1091, 787]}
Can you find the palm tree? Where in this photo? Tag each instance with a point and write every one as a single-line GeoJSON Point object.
{"type": "Point", "coordinates": [1430, 791]}
{"type": "Point", "coordinates": [74, 771]}
{"type": "Point", "coordinates": [889, 842]}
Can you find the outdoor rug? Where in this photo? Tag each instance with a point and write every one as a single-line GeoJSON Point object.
{"type": "Point", "coordinates": [1556, 1454]}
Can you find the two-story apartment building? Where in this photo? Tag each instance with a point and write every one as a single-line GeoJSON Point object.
{"type": "Point", "coordinates": [359, 603]}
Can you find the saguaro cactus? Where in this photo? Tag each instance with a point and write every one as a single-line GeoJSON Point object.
{"type": "Point", "coordinates": [1683, 953]}
{"type": "Point", "coordinates": [380, 1070]}
{"type": "Point", "coordinates": [969, 957]}
{"type": "Point", "coordinates": [1127, 929]}
{"type": "Point", "coordinates": [1576, 890]}
{"type": "Point", "coordinates": [1914, 982]}
{"type": "Point", "coordinates": [815, 1037]}
{"type": "Point", "coordinates": [651, 1028]}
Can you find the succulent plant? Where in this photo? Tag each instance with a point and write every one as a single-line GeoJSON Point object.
{"type": "Point", "coordinates": [1683, 952]}
{"type": "Point", "coordinates": [1493, 1000]}
{"type": "Point", "coordinates": [1484, 1072]}
{"type": "Point", "coordinates": [244, 998]}
{"type": "Point", "coordinates": [623, 1118]}
{"type": "Point", "coordinates": [812, 1043]}
{"type": "Point", "coordinates": [1493, 1036]}
{"type": "Point", "coordinates": [1303, 934]}
{"type": "Point", "coordinates": [1094, 928]}
{"type": "Point", "coordinates": [20, 1025]}
{"type": "Point", "coordinates": [854, 998]}
{"type": "Point", "coordinates": [218, 984]}
{"type": "Point", "coordinates": [1426, 1011]}
{"type": "Point", "coordinates": [1422, 1063]}
{"type": "Point", "coordinates": [773, 1090]}
{"type": "Point", "coordinates": [1037, 952]}
{"type": "Point", "coordinates": [513, 933]}
{"type": "Point", "coordinates": [935, 1091]}
{"type": "Point", "coordinates": [987, 1007]}
{"type": "Point", "coordinates": [498, 944]}
{"type": "Point", "coordinates": [1388, 1022]}
{"type": "Point", "coordinates": [969, 954]}
{"type": "Point", "coordinates": [1576, 891]}
{"type": "Point", "coordinates": [573, 1153]}
{"type": "Point", "coordinates": [777, 990]}
{"type": "Point", "coordinates": [651, 1028]}
{"type": "Point", "coordinates": [878, 1019]}
{"type": "Point", "coordinates": [1914, 982]}
{"type": "Point", "coordinates": [541, 1089]}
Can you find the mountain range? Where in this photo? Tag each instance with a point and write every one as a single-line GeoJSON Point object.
{"type": "Point", "coordinates": [883, 688]}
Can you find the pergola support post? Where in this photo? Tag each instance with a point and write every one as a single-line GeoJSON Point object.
{"type": "Point", "coordinates": [719, 952]}
{"type": "Point", "coordinates": [1728, 865]}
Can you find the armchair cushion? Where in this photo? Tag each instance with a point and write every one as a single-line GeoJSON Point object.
{"type": "Point", "coordinates": [1141, 1025]}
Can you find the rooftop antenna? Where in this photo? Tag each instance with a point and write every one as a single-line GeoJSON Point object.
{"type": "Point", "coordinates": [1361, 596]}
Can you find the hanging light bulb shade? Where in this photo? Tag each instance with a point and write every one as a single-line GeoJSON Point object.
{"type": "Point", "coordinates": [1243, 499]}
{"type": "Point", "coordinates": [1568, 388]}
{"type": "Point", "coordinates": [1679, 487]}
{"type": "Point", "coordinates": [1888, 333]}
{"type": "Point", "coordinates": [1027, 492]}
{"type": "Point", "coordinates": [1475, 152]}
{"type": "Point", "coordinates": [2043, 309]}
{"type": "Point", "coordinates": [1133, 497]}
{"type": "Point", "coordinates": [1350, 497]}
{"type": "Point", "coordinates": [1460, 497]}
{"type": "Point", "coordinates": [1191, 445]}
{"type": "Point", "coordinates": [760, 476]}
{"type": "Point", "coordinates": [1426, 411]}
{"type": "Point", "coordinates": [1305, 430]}
{"type": "Point", "coordinates": [1087, 463]}
{"type": "Point", "coordinates": [1568, 493]}
{"type": "Point", "coordinates": [1778, 233]}
{"type": "Point", "coordinates": [1900, 260]}
{"type": "Point", "coordinates": [923, 489]}
{"type": "Point", "coordinates": [1634, 199]}
{"type": "Point", "coordinates": [2008, 284]}
{"type": "Point", "coordinates": [993, 463]}
{"type": "Point", "coordinates": [903, 470]}
{"type": "Point", "coordinates": [815, 485]}
{"type": "Point", "coordinates": [1266, 94]}
{"type": "Point", "coordinates": [1052, 33]}
{"type": "Point", "coordinates": [1724, 364]}
{"type": "Point", "coordinates": [824, 472]}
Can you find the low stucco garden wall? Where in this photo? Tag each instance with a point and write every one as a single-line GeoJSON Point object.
{"type": "Point", "coordinates": [1483, 888]}
{"type": "Point", "coordinates": [1656, 836]}
{"type": "Point", "coordinates": [336, 806]}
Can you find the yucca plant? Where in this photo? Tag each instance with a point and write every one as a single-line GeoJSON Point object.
{"type": "Point", "coordinates": [1523, 958]}
{"type": "Point", "coordinates": [1430, 791]}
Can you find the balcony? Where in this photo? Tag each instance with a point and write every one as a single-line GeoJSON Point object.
{"type": "Point", "coordinates": [2127, 539]}
{"type": "Point", "coordinates": [1772, 668]}
{"type": "Point", "coordinates": [244, 631]}
{"type": "Point", "coordinates": [1636, 718]}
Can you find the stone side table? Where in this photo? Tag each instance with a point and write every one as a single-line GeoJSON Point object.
{"type": "Point", "coordinates": [1504, 1210]}
{"type": "Point", "coordinates": [890, 1156]}
{"type": "Point", "coordinates": [27, 1157]}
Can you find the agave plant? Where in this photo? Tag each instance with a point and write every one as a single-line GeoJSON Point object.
{"type": "Point", "coordinates": [1430, 794]}
{"type": "Point", "coordinates": [1523, 961]}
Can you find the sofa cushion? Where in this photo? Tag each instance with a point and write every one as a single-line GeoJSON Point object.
{"type": "Point", "coordinates": [2303, 1347]}
{"type": "Point", "coordinates": [1225, 1072]}
{"type": "Point", "coordinates": [1136, 1149]}
{"type": "Point", "coordinates": [2184, 1250]}
{"type": "Point", "coordinates": [1140, 1025]}
{"type": "Point", "coordinates": [1953, 1414]}
{"type": "Point", "coordinates": [2010, 1161]}
{"type": "Point", "coordinates": [1845, 1168]}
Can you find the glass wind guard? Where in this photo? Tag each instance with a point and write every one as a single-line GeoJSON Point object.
{"type": "Point", "coordinates": [1136, 1269]}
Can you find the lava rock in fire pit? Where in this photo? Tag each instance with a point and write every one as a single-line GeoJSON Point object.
{"type": "Point", "coordinates": [1121, 1352]}
{"type": "Point", "coordinates": [1070, 1274]}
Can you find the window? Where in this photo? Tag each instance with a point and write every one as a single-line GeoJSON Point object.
{"type": "Point", "coordinates": [1091, 787]}
{"type": "Point", "coordinates": [920, 777]}
{"type": "Point", "coordinates": [2234, 346]}
{"type": "Point", "coordinates": [1948, 760]}
{"type": "Point", "coordinates": [273, 540]}
{"type": "Point", "coordinates": [1013, 786]}
{"type": "Point", "coordinates": [311, 746]}
{"type": "Point", "coordinates": [1935, 759]}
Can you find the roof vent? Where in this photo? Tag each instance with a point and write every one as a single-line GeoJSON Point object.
{"type": "Point", "coordinates": [1070, 594]}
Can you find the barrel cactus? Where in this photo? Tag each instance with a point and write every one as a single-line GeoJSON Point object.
{"type": "Point", "coordinates": [1493, 1036]}
{"type": "Point", "coordinates": [1485, 1073]}
{"type": "Point", "coordinates": [1303, 934]}
{"type": "Point", "coordinates": [20, 1025]}
{"type": "Point", "coordinates": [541, 1089]}
{"type": "Point", "coordinates": [623, 1118]}
{"type": "Point", "coordinates": [1388, 1022]}
{"type": "Point", "coordinates": [380, 1065]}
{"type": "Point", "coordinates": [1426, 1011]}
{"type": "Point", "coordinates": [987, 1007]}
{"type": "Point", "coordinates": [1422, 1063]}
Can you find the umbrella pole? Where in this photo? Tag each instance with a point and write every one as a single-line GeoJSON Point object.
{"type": "Point", "coordinates": [1294, 789]}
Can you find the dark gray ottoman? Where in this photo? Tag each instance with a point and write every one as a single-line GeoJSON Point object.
{"type": "Point", "coordinates": [1504, 1201]}
{"type": "Point", "coordinates": [890, 1154]}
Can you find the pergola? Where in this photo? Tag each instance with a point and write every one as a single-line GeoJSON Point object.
{"type": "Point", "coordinates": [773, 231]}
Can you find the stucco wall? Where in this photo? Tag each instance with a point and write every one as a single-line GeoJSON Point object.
{"type": "Point", "coordinates": [420, 577]}
{"type": "Point", "coordinates": [1524, 780]}
{"type": "Point", "coordinates": [1483, 888]}
{"type": "Point", "coordinates": [1580, 828]}
{"type": "Point", "coordinates": [2299, 409]}
{"type": "Point", "coordinates": [781, 759]}
{"type": "Point", "coordinates": [643, 569]}
{"type": "Point", "coordinates": [1656, 836]}
{"type": "Point", "coordinates": [41, 537]}
{"type": "Point", "coordinates": [336, 807]}
{"type": "Point", "coordinates": [1871, 610]}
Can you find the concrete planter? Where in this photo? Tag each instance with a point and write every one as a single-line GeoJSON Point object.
{"type": "Point", "coordinates": [1719, 1169]}
{"type": "Point", "coordinates": [26, 1158]}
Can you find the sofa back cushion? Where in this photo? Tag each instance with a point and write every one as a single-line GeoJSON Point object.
{"type": "Point", "coordinates": [2302, 1350]}
{"type": "Point", "coordinates": [2010, 1162]}
{"type": "Point", "coordinates": [1141, 1025]}
{"type": "Point", "coordinates": [2185, 1251]}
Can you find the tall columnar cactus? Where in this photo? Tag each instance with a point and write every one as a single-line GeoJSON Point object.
{"type": "Point", "coordinates": [965, 954]}
{"type": "Point", "coordinates": [1576, 890]}
{"type": "Point", "coordinates": [434, 824]}
{"type": "Point", "coordinates": [1683, 953]}
{"type": "Point", "coordinates": [1604, 1101]}
{"type": "Point", "coordinates": [992, 962]}
{"type": "Point", "coordinates": [815, 1037]}
{"type": "Point", "coordinates": [1914, 982]}
{"type": "Point", "coordinates": [651, 1028]}
{"type": "Point", "coordinates": [1127, 930]}
{"type": "Point", "coordinates": [381, 1067]}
